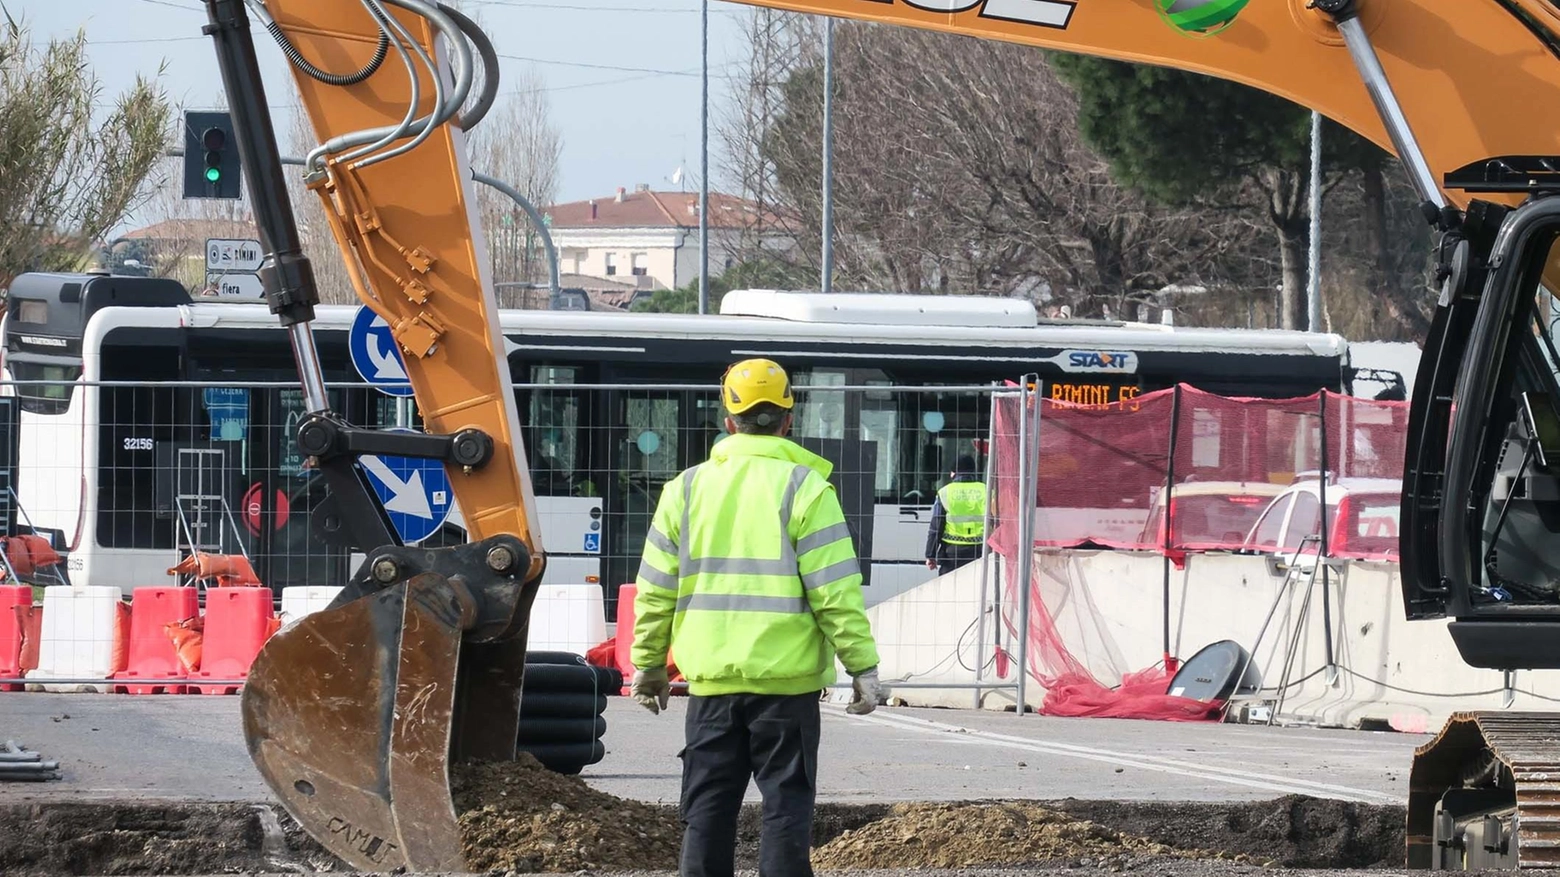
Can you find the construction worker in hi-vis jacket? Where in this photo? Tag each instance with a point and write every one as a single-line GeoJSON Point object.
{"type": "Point", "coordinates": [958, 525]}
{"type": "Point", "coordinates": [750, 577]}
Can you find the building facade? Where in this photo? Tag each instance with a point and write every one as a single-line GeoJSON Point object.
{"type": "Point", "coordinates": [650, 240]}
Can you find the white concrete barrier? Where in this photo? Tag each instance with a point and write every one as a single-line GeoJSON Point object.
{"type": "Point", "coordinates": [301, 600]}
{"type": "Point", "coordinates": [567, 618]}
{"type": "Point", "coordinates": [1108, 608]}
{"type": "Point", "coordinates": [80, 629]}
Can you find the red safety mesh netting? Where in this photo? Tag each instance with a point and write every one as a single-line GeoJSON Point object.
{"type": "Point", "coordinates": [1102, 473]}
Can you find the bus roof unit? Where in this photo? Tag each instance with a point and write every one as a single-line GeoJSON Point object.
{"type": "Point", "coordinates": [881, 309]}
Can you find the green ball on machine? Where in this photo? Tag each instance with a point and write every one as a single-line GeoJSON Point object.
{"type": "Point", "coordinates": [1200, 17]}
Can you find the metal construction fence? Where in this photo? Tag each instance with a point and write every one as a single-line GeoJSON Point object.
{"type": "Point", "coordinates": [132, 482]}
{"type": "Point", "coordinates": [1174, 472]}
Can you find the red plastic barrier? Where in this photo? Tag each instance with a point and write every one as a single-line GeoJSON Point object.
{"type": "Point", "coordinates": [238, 622]}
{"type": "Point", "coordinates": [150, 655]}
{"type": "Point", "coordinates": [12, 598]}
{"type": "Point", "coordinates": [625, 631]}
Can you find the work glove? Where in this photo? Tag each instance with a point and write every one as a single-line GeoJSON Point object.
{"type": "Point", "coordinates": [652, 689]}
{"type": "Point", "coordinates": [867, 690]}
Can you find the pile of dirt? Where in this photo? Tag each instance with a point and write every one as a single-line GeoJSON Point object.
{"type": "Point", "coordinates": [1294, 831]}
{"type": "Point", "coordinates": [961, 835]}
{"type": "Point", "coordinates": [520, 816]}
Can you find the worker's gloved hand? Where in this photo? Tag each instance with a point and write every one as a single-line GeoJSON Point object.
{"type": "Point", "coordinates": [652, 689]}
{"type": "Point", "coordinates": [867, 690]}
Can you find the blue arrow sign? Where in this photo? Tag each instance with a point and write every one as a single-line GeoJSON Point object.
{"type": "Point", "coordinates": [374, 354]}
{"type": "Point", "coordinates": [415, 493]}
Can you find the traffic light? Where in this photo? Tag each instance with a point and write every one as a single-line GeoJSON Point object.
{"type": "Point", "coordinates": [211, 163]}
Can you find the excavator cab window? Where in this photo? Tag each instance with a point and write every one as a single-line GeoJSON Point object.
{"type": "Point", "coordinates": [1499, 509]}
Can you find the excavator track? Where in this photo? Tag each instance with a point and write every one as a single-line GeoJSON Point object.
{"type": "Point", "coordinates": [1485, 793]}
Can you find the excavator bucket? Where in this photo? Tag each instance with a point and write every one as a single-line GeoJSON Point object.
{"type": "Point", "coordinates": [355, 713]}
{"type": "Point", "coordinates": [348, 715]}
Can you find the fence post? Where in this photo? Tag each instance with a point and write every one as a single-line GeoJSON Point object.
{"type": "Point", "coordinates": [1175, 428]}
{"type": "Point", "coordinates": [1322, 549]}
{"type": "Point", "coordinates": [985, 552]}
{"type": "Point", "coordinates": [1025, 543]}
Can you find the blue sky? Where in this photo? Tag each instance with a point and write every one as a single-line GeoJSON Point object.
{"type": "Point", "coordinates": [622, 75]}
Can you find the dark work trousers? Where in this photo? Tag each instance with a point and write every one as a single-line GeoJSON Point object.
{"type": "Point", "coordinates": [731, 737]}
{"type": "Point", "coordinates": [955, 556]}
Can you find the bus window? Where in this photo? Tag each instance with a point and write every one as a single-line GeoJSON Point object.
{"type": "Point", "coordinates": [938, 428]}
{"type": "Point", "coordinates": [556, 457]}
{"type": "Point", "coordinates": [880, 425]}
{"type": "Point", "coordinates": [708, 426]}
{"type": "Point", "coordinates": [820, 413]}
{"type": "Point", "coordinates": [44, 398]}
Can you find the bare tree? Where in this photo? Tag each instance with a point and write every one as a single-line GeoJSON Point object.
{"type": "Point", "coordinates": [331, 279]}
{"type": "Point", "coordinates": [958, 168]}
{"type": "Point", "coordinates": [776, 44]}
{"type": "Point", "coordinates": [518, 144]}
{"type": "Point", "coordinates": [172, 242]}
{"type": "Point", "coordinates": [64, 181]}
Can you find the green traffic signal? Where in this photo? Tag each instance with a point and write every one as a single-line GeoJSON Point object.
{"type": "Point", "coordinates": [213, 174]}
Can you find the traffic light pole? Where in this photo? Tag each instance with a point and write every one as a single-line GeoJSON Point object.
{"type": "Point", "coordinates": [286, 272]}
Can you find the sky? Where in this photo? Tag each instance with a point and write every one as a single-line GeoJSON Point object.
{"type": "Point", "coordinates": [623, 76]}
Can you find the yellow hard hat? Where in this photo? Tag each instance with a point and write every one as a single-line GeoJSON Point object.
{"type": "Point", "coordinates": [752, 381]}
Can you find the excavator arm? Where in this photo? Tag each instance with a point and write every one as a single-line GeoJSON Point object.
{"type": "Point", "coordinates": [354, 714]}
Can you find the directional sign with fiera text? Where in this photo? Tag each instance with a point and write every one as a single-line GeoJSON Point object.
{"type": "Point", "coordinates": [236, 285]}
{"type": "Point", "coordinates": [374, 354]}
{"type": "Point", "coordinates": [231, 255]}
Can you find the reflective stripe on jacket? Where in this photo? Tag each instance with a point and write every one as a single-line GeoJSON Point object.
{"type": "Point", "coordinates": [749, 575]}
{"type": "Point", "coordinates": [964, 505]}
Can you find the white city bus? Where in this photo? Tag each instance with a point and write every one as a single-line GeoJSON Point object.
{"type": "Point", "coordinates": [113, 465]}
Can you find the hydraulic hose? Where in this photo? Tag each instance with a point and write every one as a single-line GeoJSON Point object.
{"type": "Point", "coordinates": [479, 110]}
{"type": "Point", "coordinates": [296, 58]}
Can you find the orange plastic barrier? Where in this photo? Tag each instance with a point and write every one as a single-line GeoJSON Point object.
{"type": "Point", "coordinates": [150, 654]}
{"type": "Point", "coordinates": [625, 641]}
{"type": "Point", "coordinates": [238, 622]}
{"type": "Point", "coordinates": [230, 570]}
{"type": "Point", "coordinates": [12, 598]}
{"type": "Point", "coordinates": [30, 620]}
{"type": "Point", "coordinates": [187, 637]}
{"type": "Point", "coordinates": [29, 553]}
{"type": "Point", "coordinates": [625, 632]}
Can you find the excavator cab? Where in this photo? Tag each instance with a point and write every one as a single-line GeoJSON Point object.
{"type": "Point", "coordinates": [1481, 517]}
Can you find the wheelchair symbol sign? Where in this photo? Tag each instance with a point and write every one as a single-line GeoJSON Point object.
{"type": "Point", "coordinates": [592, 541]}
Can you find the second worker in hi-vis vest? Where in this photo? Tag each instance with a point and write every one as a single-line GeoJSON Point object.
{"type": "Point", "coordinates": [958, 525]}
{"type": "Point", "coordinates": [750, 577]}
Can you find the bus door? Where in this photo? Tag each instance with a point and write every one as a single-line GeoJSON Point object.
{"type": "Point", "coordinates": [567, 475]}
{"type": "Point", "coordinates": [655, 434]}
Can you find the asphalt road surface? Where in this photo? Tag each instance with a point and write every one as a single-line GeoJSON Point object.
{"type": "Point", "coordinates": [182, 747]}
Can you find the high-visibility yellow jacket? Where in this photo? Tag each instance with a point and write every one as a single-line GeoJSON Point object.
{"type": "Point", "coordinates": [749, 575]}
{"type": "Point", "coordinates": [964, 512]}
